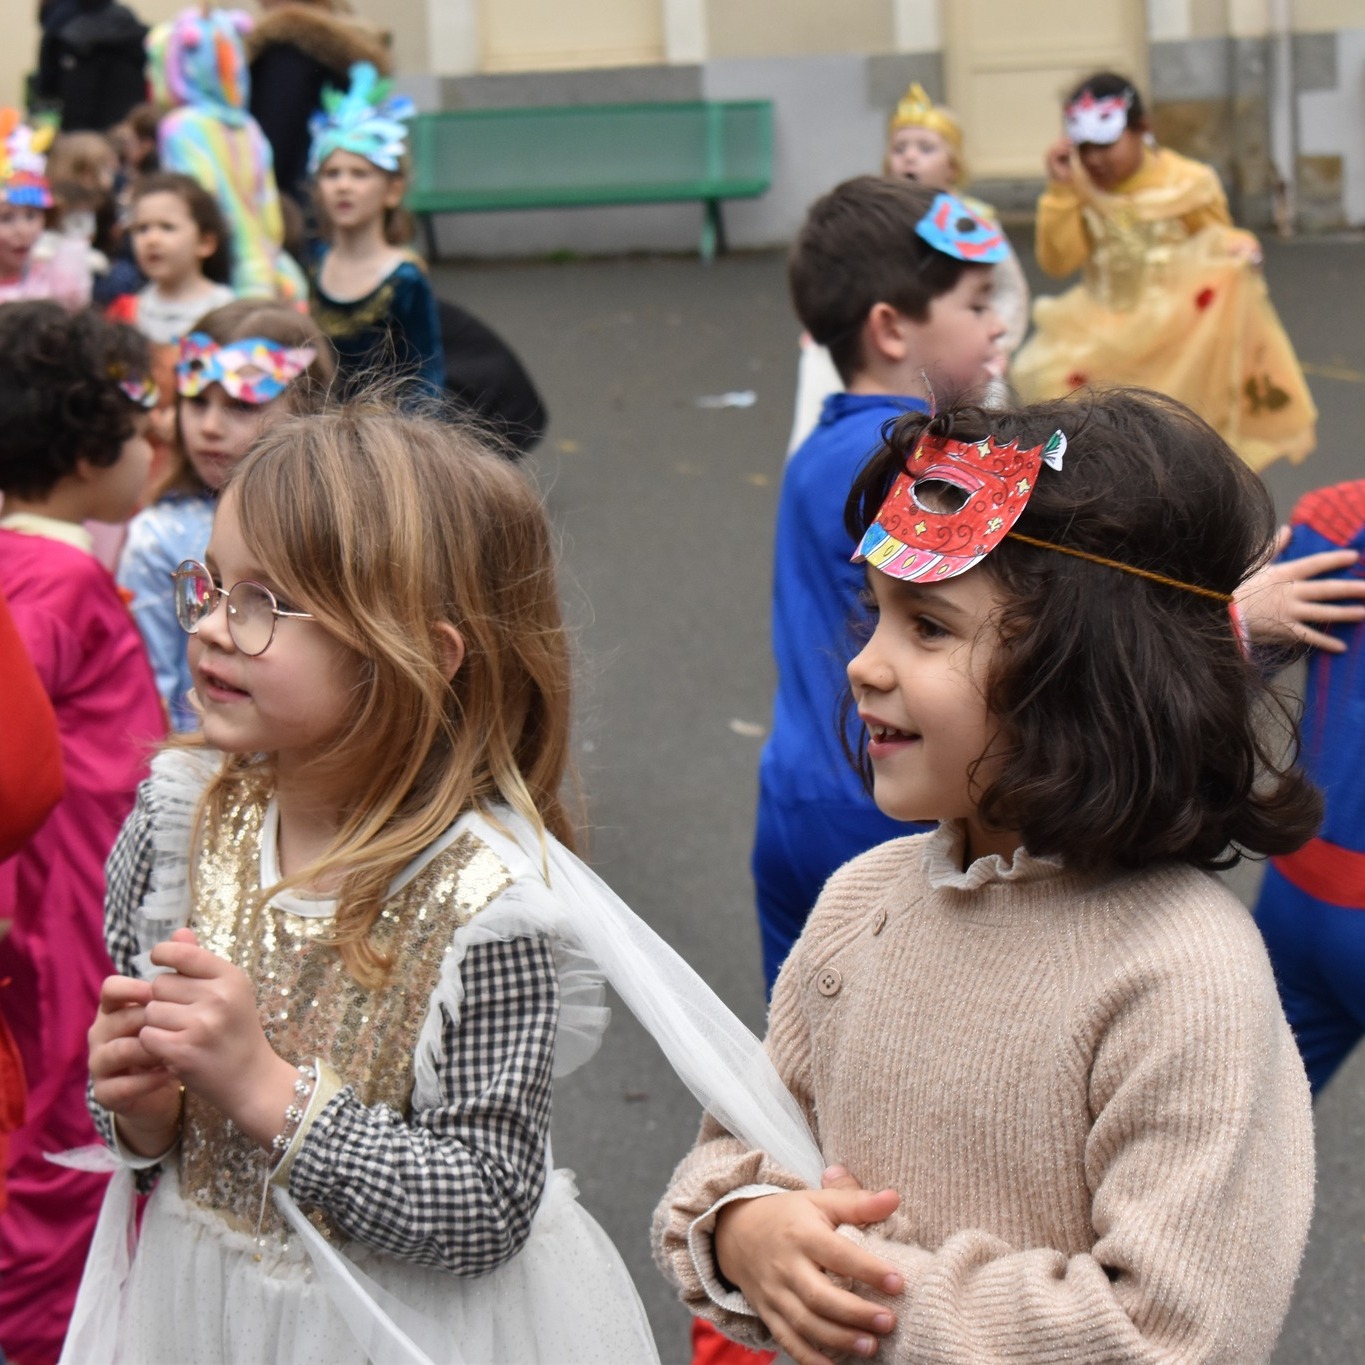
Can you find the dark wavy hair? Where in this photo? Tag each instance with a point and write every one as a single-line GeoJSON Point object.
{"type": "Point", "coordinates": [858, 247]}
{"type": "Point", "coordinates": [204, 212]}
{"type": "Point", "coordinates": [60, 400]}
{"type": "Point", "coordinates": [1134, 729]}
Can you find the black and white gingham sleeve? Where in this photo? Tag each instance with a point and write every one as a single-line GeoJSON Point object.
{"type": "Point", "coordinates": [127, 877]}
{"type": "Point", "coordinates": [454, 1186]}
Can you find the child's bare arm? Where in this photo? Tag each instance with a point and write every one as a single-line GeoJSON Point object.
{"type": "Point", "coordinates": [1286, 601]}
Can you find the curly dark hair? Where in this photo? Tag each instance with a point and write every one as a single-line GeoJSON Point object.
{"type": "Point", "coordinates": [1134, 728]}
{"type": "Point", "coordinates": [60, 400]}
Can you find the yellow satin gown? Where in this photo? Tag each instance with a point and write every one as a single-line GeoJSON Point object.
{"type": "Point", "coordinates": [1168, 301]}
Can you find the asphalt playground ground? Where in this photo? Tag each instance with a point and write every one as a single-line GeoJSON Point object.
{"type": "Point", "coordinates": [666, 508]}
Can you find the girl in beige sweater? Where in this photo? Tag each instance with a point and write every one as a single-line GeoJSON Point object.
{"type": "Point", "coordinates": [1043, 1043]}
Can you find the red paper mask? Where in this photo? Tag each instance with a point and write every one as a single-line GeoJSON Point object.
{"type": "Point", "coordinates": [955, 502]}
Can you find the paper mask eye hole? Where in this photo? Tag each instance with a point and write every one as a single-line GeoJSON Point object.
{"type": "Point", "coordinates": [939, 496]}
{"type": "Point", "coordinates": [968, 227]}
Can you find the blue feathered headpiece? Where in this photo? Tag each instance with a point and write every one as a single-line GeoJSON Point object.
{"type": "Point", "coordinates": [367, 119]}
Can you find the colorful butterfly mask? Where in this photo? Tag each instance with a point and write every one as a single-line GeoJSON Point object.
{"type": "Point", "coordinates": [954, 229]}
{"type": "Point", "coordinates": [143, 392]}
{"type": "Point", "coordinates": [253, 370]}
{"type": "Point", "coordinates": [953, 504]}
{"type": "Point", "coordinates": [1097, 119]}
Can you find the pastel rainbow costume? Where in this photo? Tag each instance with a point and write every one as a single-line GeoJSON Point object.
{"type": "Point", "coordinates": [199, 72]}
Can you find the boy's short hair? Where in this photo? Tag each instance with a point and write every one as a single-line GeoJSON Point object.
{"type": "Point", "coordinates": [60, 400]}
{"type": "Point", "coordinates": [858, 247]}
{"type": "Point", "coordinates": [1133, 727]}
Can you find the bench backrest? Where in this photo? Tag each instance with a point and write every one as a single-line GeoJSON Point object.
{"type": "Point", "coordinates": [588, 153]}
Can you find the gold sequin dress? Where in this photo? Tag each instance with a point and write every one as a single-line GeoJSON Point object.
{"type": "Point", "coordinates": [223, 1275]}
{"type": "Point", "coordinates": [1166, 302]}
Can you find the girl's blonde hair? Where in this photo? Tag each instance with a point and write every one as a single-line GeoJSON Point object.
{"type": "Point", "coordinates": [277, 322]}
{"type": "Point", "coordinates": [388, 527]}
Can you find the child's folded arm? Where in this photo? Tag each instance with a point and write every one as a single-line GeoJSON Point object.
{"type": "Point", "coordinates": [1201, 1162]}
{"type": "Point", "coordinates": [718, 1170]}
{"type": "Point", "coordinates": [454, 1186]}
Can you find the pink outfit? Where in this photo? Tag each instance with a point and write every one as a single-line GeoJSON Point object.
{"type": "Point", "coordinates": [91, 660]}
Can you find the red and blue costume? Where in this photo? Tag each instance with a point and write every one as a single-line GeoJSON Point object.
{"type": "Point", "coordinates": [1312, 904]}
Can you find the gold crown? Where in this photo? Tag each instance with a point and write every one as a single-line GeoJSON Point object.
{"type": "Point", "coordinates": [917, 110]}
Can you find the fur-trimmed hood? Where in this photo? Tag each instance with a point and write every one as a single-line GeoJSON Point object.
{"type": "Point", "coordinates": [337, 41]}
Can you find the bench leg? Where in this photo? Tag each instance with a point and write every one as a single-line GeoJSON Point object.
{"type": "Point", "coordinates": [429, 236]}
{"type": "Point", "coordinates": [713, 241]}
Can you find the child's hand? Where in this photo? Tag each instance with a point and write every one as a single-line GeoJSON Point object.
{"type": "Point", "coordinates": [202, 1024]}
{"type": "Point", "coordinates": [781, 1250]}
{"type": "Point", "coordinates": [1057, 161]}
{"type": "Point", "coordinates": [1243, 246]}
{"type": "Point", "coordinates": [1281, 603]}
{"type": "Point", "coordinates": [128, 1080]}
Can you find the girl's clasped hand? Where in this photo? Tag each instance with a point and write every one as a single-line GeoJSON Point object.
{"type": "Point", "coordinates": [193, 1026]}
{"type": "Point", "coordinates": [785, 1252]}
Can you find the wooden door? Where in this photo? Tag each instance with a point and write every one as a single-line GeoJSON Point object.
{"type": "Point", "coordinates": [1011, 62]}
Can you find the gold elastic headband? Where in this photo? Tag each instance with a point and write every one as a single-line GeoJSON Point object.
{"type": "Point", "coordinates": [1123, 568]}
{"type": "Point", "coordinates": [917, 110]}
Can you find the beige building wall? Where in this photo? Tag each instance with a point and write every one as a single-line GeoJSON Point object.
{"type": "Point", "coordinates": [798, 28]}
{"type": "Point", "coordinates": [459, 37]}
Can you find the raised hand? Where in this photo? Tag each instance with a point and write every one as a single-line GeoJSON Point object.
{"type": "Point", "coordinates": [1282, 603]}
{"type": "Point", "coordinates": [1057, 161]}
{"type": "Point", "coordinates": [782, 1249]}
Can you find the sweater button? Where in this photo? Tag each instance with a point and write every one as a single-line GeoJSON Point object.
{"type": "Point", "coordinates": [879, 923]}
{"type": "Point", "coordinates": [829, 981]}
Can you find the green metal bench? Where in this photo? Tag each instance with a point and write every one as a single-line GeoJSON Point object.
{"type": "Point", "coordinates": [473, 160]}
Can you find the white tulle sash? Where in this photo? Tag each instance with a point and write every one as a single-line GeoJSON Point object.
{"type": "Point", "coordinates": [392, 1316]}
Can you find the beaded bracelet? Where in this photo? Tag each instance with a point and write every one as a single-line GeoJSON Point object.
{"type": "Point", "coordinates": [293, 1115]}
{"type": "Point", "coordinates": [279, 1144]}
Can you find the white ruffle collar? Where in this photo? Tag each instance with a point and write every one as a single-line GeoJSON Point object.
{"type": "Point", "coordinates": [943, 863]}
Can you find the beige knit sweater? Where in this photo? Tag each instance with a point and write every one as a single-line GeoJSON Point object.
{"type": "Point", "coordinates": [1084, 1090]}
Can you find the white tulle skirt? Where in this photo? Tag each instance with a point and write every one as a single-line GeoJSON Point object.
{"type": "Point", "coordinates": [197, 1295]}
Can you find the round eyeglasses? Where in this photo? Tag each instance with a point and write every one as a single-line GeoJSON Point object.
{"type": "Point", "coordinates": [252, 609]}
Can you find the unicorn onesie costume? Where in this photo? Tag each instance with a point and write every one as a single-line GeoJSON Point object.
{"type": "Point", "coordinates": [199, 72]}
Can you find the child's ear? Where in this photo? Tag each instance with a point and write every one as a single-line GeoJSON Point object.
{"type": "Point", "coordinates": [394, 197]}
{"type": "Point", "coordinates": [450, 644]}
{"type": "Point", "coordinates": [208, 244]}
{"type": "Point", "coordinates": [886, 333]}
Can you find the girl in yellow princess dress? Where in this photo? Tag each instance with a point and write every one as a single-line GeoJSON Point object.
{"type": "Point", "coordinates": [1172, 296]}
